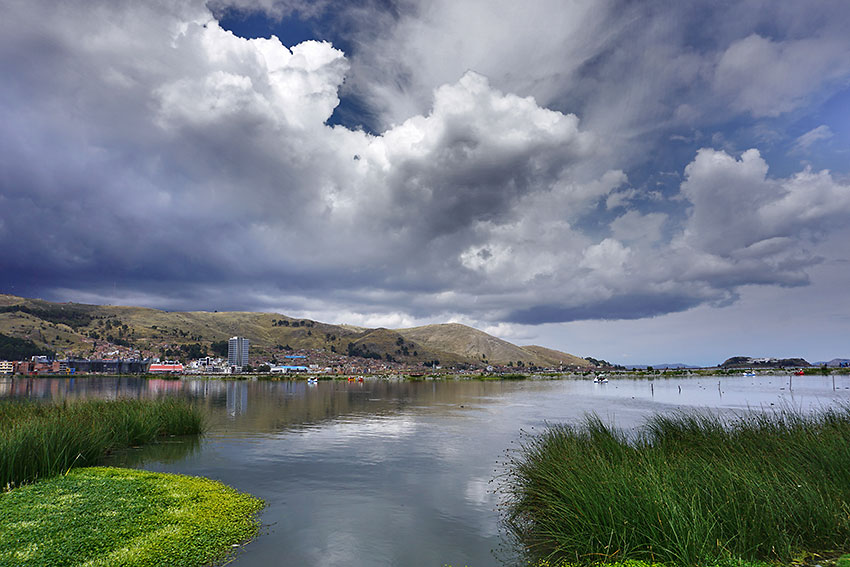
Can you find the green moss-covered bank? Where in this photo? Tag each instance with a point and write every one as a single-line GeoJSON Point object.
{"type": "Point", "coordinates": [122, 517]}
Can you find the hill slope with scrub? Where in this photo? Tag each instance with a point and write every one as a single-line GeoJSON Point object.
{"type": "Point", "coordinates": [75, 329]}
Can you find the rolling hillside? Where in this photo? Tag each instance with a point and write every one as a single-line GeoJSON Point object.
{"type": "Point", "coordinates": [475, 345]}
{"type": "Point", "coordinates": [550, 357]}
{"type": "Point", "coordinates": [80, 330]}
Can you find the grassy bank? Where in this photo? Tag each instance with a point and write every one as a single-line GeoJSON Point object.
{"type": "Point", "coordinates": [111, 517]}
{"type": "Point", "coordinates": [42, 440]}
{"type": "Point", "coordinates": [691, 489]}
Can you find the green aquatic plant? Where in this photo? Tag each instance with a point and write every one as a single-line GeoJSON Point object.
{"type": "Point", "coordinates": [688, 489]}
{"type": "Point", "coordinates": [105, 517]}
{"type": "Point", "coordinates": [42, 440]}
{"type": "Point", "coordinates": [499, 377]}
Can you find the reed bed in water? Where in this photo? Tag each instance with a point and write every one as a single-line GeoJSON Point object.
{"type": "Point", "coordinates": [42, 440]}
{"type": "Point", "coordinates": [689, 489]}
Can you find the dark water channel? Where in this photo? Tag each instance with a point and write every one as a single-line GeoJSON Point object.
{"type": "Point", "coordinates": [396, 473]}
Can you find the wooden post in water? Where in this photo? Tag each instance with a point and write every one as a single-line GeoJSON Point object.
{"type": "Point", "coordinates": [790, 381]}
{"type": "Point", "coordinates": [652, 389]}
{"type": "Point", "coordinates": [718, 389]}
{"type": "Point", "coordinates": [833, 382]}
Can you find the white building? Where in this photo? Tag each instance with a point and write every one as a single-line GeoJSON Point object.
{"type": "Point", "coordinates": [237, 352]}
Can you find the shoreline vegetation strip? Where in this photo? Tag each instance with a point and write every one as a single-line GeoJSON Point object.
{"type": "Point", "coordinates": [687, 489]}
{"type": "Point", "coordinates": [41, 440]}
{"type": "Point", "coordinates": [52, 513]}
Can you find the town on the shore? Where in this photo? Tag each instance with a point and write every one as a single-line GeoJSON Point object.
{"type": "Point", "coordinates": [240, 360]}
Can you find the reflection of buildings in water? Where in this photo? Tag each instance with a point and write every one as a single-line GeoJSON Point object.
{"type": "Point", "coordinates": [203, 387]}
{"type": "Point", "coordinates": [237, 398]}
{"type": "Point", "coordinates": [59, 389]}
{"type": "Point", "coordinates": [157, 385]}
{"type": "Point", "coordinates": [211, 394]}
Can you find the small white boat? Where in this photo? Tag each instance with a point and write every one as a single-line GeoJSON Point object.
{"type": "Point", "coordinates": [600, 380]}
{"type": "Point", "coordinates": [312, 380]}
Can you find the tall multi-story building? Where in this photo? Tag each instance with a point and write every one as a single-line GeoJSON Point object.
{"type": "Point", "coordinates": [237, 351]}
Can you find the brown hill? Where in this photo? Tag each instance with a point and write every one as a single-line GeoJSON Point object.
{"type": "Point", "coordinates": [78, 329]}
{"type": "Point", "coordinates": [551, 357]}
{"type": "Point", "coordinates": [454, 339]}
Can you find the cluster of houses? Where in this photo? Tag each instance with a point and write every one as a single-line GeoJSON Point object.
{"type": "Point", "coordinates": [44, 366]}
{"type": "Point", "coordinates": [38, 365]}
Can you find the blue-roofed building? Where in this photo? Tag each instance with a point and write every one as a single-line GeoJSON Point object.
{"type": "Point", "coordinates": [284, 369]}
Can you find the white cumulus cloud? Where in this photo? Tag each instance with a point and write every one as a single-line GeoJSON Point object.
{"type": "Point", "coordinates": [184, 163]}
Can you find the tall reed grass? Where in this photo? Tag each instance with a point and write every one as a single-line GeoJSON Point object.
{"type": "Point", "coordinates": [42, 440]}
{"type": "Point", "coordinates": [688, 489]}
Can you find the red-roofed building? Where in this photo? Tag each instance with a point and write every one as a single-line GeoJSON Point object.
{"type": "Point", "coordinates": [166, 367]}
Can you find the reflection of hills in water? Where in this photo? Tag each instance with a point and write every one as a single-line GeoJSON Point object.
{"type": "Point", "coordinates": [269, 406]}
{"type": "Point", "coordinates": [167, 451]}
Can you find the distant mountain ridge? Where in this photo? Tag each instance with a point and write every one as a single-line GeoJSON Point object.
{"type": "Point", "coordinates": [750, 362]}
{"type": "Point", "coordinates": [834, 363]}
{"type": "Point", "coordinates": [76, 329]}
{"type": "Point", "coordinates": [676, 365]}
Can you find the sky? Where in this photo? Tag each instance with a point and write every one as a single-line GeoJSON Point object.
{"type": "Point", "coordinates": [644, 182]}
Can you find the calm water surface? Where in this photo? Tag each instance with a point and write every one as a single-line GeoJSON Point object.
{"type": "Point", "coordinates": [397, 473]}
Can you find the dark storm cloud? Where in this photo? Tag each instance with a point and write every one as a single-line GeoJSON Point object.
{"type": "Point", "coordinates": [634, 306]}
{"type": "Point", "coordinates": [151, 157]}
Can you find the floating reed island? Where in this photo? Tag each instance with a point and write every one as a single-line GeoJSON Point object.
{"type": "Point", "coordinates": [686, 489]}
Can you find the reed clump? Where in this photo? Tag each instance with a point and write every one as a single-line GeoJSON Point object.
{"type": "Point", "coordinates": [687, 489]}
{"type": "Point", "coordinates": [42, 440]}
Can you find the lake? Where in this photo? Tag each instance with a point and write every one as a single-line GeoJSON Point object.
{"type": "Point", "coordinates": [397, 473]}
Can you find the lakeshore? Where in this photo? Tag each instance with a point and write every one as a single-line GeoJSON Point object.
{"type": "Point", "coordinates": [350, 469]}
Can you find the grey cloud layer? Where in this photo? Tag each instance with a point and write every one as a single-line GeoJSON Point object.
{"type": "Point", "coordinates": [146, 147]}
{"type": "Point", "coordinates": [628, 68]}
